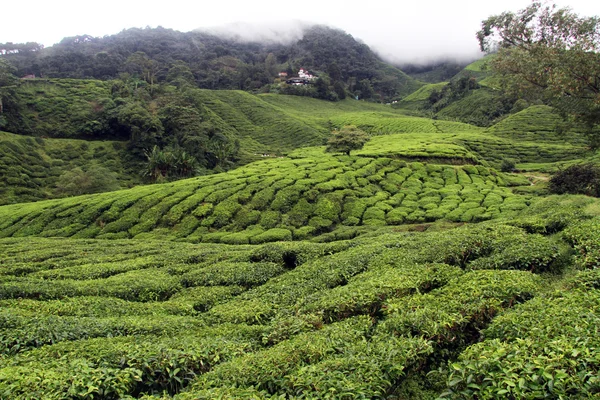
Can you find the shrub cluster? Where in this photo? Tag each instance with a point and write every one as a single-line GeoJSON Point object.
{"type": "Point", "coordinates": [577, 179]}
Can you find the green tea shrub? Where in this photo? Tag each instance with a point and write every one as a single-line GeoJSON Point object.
{"type": "Point", "coordinates": [223, 212]}
{"type": "Point", "coordinates": [515, 180]}
{"type": "Point", "coordinates": [267, 369]}
{"type": "Point", "coordinates": [320, 224]}
{"type": "Point", "coordinates": [270, 219]}
{"type": "Point", "coordinates": [585, 280]}
{"type": "Point", "coordinates": [374, 213]}
{"type": "Point", "coordinates": [535, 253]}
{"type": "Point", "coordinates": [242, 237]}
{"type": "Point", "coordinates": [435, 214]}
{"type": "Point", "coordinates": [300, 213]}
{"type": "Point", "coordinates": [470, 169]}
{"type": "Point", "coordinates": [202, 298]}
{"type": "Point", "coordinates": [245, 274]}
{"type": "Point", "coordinates": [492, 199]}
{"type": "Point", "coordinates": [272, 235]}
{"type": "Point", "coordinates": [367, 369]}
{"type": "Point", "coordinates": [263, 198]}
{"type": "Point", "coordinates": [397, 216]}
{"type": "Point", "coordinates": [328, 208]}
{"type": "Point", "coordinates": [473, 214]}
{"type": "Point", "coordinates": [513, 204]}
{"type": "Point", "coordinates": [416, 216]}
{"type": "Point", "coordinates": [424, 202]}
{"type": "Point", "coordinates": [394, 178]}
{"type": "Point", "coordinates": [585, 238]}
{"type": "Point", "coordinates": [246, 217]}
{"type": "Point", "coordinates": [285, 199]}
{"type": "Point", "coordinates": [203, 210]}
{"type": "Point", "coordinates": [295, 253]}
{"type": "Point", "coordinates": [543, 348]}
{"type": "Point", "coordinates": [366, 292]}
{"type": "Point", "coordinates": [449, 176]}
{"type": "Point", "coordinates": [411, 204]}
{"type": "Point", "coordinates": [112, 236]}
{"type": "Point", "coordinates": [462, 177]}
{"type": "Point", "coordinates": [443, 315]}
{"type": "Point", "coordinates": [204, 235]}
{"type": "Point", "coordinates": [305, 232]}
{"type": "Point", "coordinates": [396, 199]}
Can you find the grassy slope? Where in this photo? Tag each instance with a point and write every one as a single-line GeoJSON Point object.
{"type": "Point", "coordinates": [538, 123]}
{"type": "Point", "coordinates": [418, 98]}
{"type": "Point", "coordinates": [371, 317]}
{"type": "Point", "coordinates": [31, 167]}
{"type": "Point", "coordinates": [313, 193]}
{"type": "Point", "coordinates": [60, 107]}
{"type": "Point", "coordinates": [276, 199]}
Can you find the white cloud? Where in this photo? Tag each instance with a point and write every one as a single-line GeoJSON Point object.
{"type": "Point", "coordinates": [399, 30]}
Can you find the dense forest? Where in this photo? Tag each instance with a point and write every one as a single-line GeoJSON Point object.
{"type": "Point", "coordinates": [343, 65]}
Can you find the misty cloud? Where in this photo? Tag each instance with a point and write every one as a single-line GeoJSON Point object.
{"type": "Point", "coordinates": [280, 32]}
{"type": "Point", "coordinates": [400, 31]}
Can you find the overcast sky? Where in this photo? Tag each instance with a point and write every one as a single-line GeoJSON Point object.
{"type": "Point", "coordinates": [398, 30]}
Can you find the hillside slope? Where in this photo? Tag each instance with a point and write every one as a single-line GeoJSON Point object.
{"type": "Point", "coordinates": [409, 314]}
{"type": "Point", "coordinates": [210, 61]}
{"type": "Point", "coordinates": [276, 199]}
{"type": "Point", "coordinates": [31, 168]}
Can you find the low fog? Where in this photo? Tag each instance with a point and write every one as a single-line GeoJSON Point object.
{"type": "Point", "coordinates": [396, 49]}
{"type": "Point", "coordinates": [401, 32]}
{"type": "Point", "coordinates": [283, 32]}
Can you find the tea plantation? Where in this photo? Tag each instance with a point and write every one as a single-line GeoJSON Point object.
{"type": "Point", "coordinates": [411, 269]}
{"type": "Point", "coordinates": [332, 197]}
{"type": "Point", "coordinates": [398, 314]}
{"type": "Point", "coordinates": [32, 167]}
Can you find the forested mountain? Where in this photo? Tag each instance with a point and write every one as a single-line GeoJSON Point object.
{"type": "Point", "coordinates": [344, 65]}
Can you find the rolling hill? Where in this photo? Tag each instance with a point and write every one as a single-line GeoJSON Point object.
{"type": "Point", "coordinates": [412, 268]}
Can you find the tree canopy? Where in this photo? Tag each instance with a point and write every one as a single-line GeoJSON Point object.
{"type": "Point", "coordinates": [550, 53]}
{"type": "Point", "coordinates": [347, 139]}
{"type": "Point", "coordinates": [213, 62]}
{"type": "Point", "coordinates": [7, 82]}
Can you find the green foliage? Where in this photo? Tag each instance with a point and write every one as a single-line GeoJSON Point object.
{"type": "Point", "coordinates": [272, 235]}
{"type": "Point", "coordinates": [577, 179]}
{"type": "Point", "coordinates": [95, 179]}
{"type": "Point", "coordinates": [316, 197]}
{"type": "Point", "coordinates": [371, 316]}
{"type": "Point", "coordinates": [555, 40]}
{"type": "Point", "coordinates": [584, 238]}
{"type": "Point", "coordinates": [541, 348]}
{"type": "Point", "coordinates": [347, 139]}
{"type": "Point", "coordinates": [45, 168]}
{"type": "Point", "coordinates": [162, 165]}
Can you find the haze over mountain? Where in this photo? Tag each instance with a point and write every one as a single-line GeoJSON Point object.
{"type": "Point", "coordinates": [399, 32]}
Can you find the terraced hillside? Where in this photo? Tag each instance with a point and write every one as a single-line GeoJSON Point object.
{"type": "Point", "coordinates": [420, 97]}
{"type": "Point", "coordinates": [410, 269]}
{"type": "Point", "coordinates": [539, 124]}
{"type": "Point", "coordinates": [30, 168]}
{"type": "Point", "coordinates": [377, 316]}
{"type": "Point", "coordinates": [276, 199]}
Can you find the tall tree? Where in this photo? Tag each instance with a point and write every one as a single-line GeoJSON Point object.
{"type": "Point", "coordinates": [148, 68]}
{"type": "Point", "coordinates": [347, 139]}
{"type": "Point", "coordinates": [548, 52]}
{"type": "Point", "coordinates": [7, 81]}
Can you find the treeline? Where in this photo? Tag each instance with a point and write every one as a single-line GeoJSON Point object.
{"type": "Point", "coordinates": [344, 66]}
{"type": "Point", "coordinates": [163, 125]}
